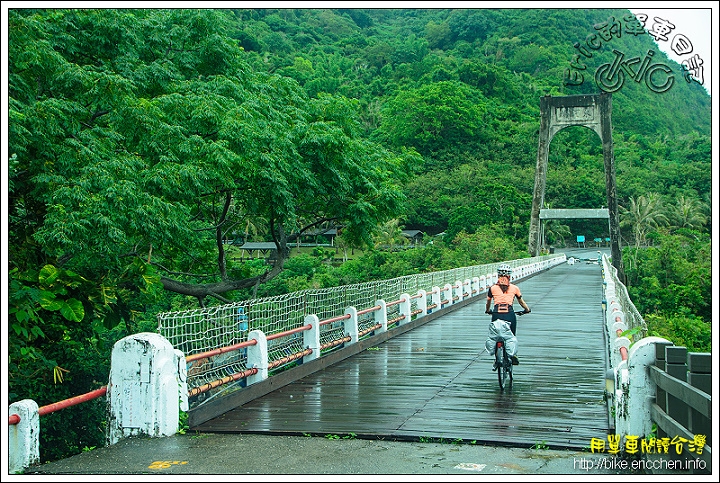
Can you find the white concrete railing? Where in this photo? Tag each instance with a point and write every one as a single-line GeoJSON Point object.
{"type": "Point", "coordinates": [631, 394]}
{"type": "Point", "coordinates": [628, 392]}
{"type": "Point", "coordinates": [148, 389]}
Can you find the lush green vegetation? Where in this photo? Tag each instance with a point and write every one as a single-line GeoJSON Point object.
{"type": "Point", "coordinates": [141, 140]}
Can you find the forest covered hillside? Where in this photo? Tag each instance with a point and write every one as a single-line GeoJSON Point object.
{"type": "Point", "coordinates": [462, 87]}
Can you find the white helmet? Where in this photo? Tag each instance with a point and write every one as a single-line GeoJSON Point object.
{"type": "Point", "coordinates": [504, 269]}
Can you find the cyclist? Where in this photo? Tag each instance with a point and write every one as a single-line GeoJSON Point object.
{"type": "Point", "coordinates": [502, 295]}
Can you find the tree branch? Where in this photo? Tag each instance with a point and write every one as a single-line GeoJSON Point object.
{"type": "Point", "coordinates": [222, 263]}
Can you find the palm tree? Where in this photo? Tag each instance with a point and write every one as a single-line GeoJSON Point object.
{"type": "Point", "coordinates": [390, 235]}
{"type": "Point", "coordinates": [687, 212]}
{"type": "Point", "coordinates": [555, 232]}
{"type": "Point", "coordinates": [642, 215]}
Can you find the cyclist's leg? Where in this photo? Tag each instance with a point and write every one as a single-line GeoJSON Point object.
{"type": "Point", "coordinates": [513, 328]}
{"type": "Point", "coordinates": [512, 320]}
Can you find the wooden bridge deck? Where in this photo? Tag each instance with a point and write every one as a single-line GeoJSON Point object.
{"type": "Point", "coordinates": [436, 381]}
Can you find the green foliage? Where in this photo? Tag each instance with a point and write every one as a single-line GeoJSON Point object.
{"type": "Point", "coordinates": [670, 283]}
{"type": "Point", "coordinates": [301, 272]}
{"type": "Point", "coordinates": [540, 445]}
{"type": "Point", "coordinates": [433, 115]}
{"type": "Point", "coordinates": [685, 331]}
{"type": "Point", "coordinates": [129, 148]}
{"type": "Point", "coordinates": [183, 422]}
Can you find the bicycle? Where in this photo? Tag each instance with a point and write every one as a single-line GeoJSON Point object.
{"type": "Point", "coordinates": [503, 363]}
{"type": "Point", "coordinates": [610, 77]}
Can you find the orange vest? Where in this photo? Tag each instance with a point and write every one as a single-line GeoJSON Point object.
{"type": "Point", "coordinates": [499, 297]}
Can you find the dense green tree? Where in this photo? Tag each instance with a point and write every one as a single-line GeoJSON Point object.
{"type": "Point", "coordinates": [113, 163]}
{"type": "Point", "coordinates": [672, 277]}
{"type": "Point", "coordinates": [141, 141]}
{"type": "Point", "coordinates": [434, 114]}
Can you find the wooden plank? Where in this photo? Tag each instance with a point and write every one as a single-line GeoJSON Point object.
{"type": "Point", "coordinates": [436, 382]}
{"type": "Point", "coordinates": [670, 426]}
{"type": "Point", "coordinates": [235, 399]}
{"type": "Point", "coordinates": [695, 398]}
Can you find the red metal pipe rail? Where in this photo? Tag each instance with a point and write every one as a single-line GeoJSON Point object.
{"type": "Point", "coordinates": [65, 403]}
{"type": "Point", "coordinates": [335, 319]}
{"type": "Point", "coordinates": [288, 358]}
{"type": "Point", "coordinates": [394, 302]}
{"type": "Point", "coordinates": [369, 329]}
{"type": "Point", "coordinates": [73, 401]}
{"type": "Point", "coordinates": [211, 385]}
{"type": "Point", "coordinates": [289, 332]}
{"type": "Point", "coordinates": [220, 350]}
{"type": "Point", "coordinates": [623, 350]}
{"type": "Point", "coordinates": [395, 320]}
{"type": "Point", "coordinates": [368, 310]}
{"type": "Point", "coordinates": [240, 375]}
{"type": "Point", "coordinates": [335, 342]}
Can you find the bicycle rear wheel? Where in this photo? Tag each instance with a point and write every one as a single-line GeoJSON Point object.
{"type": "Point", "coordinates": [501, 361]}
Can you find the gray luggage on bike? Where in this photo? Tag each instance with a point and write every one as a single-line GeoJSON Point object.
{"type": "Point", "coordinates": [499, 330]}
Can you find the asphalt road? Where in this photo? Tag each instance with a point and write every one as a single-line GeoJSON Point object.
{"type": "Point", "coordinates": [261, 454]}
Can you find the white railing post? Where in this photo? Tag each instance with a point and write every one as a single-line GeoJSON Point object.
{"type": "Point", "coordinates": [437, 297]}
{"type": "Point", "coordinates": [458, 291]}
{"type": "Point", "coordinates": [257, 357]}
{"type": "Point", "coordinates": [620, 390]}
{"type": "Point", "coordinates": [146, 386]}
{"type": "Point", "coordinates": [405, 308]}
{"type": "Point", "coordinates": [639, 393]}
{"type": "Point", "coordinates": [24, 437]}
{"type": "Point", "coordinates": [475, 286]}
{"type": "Point", "coordinates": [448, 294]}
{"type": "Point", "coordinates": [351, 324]}
{"type": "Point", "coordinates": [311, 337]}
{"type": "Point", "coordinates": [422, 303]}
{"type": "Point", "coordinates": [381, 316]}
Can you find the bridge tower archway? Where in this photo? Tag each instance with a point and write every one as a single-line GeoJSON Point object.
{"type": "Point", "coordinates": [593, 112]}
